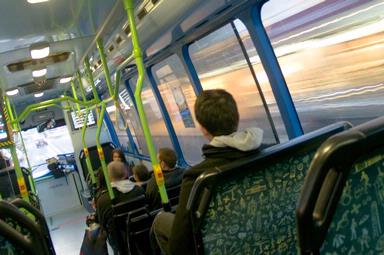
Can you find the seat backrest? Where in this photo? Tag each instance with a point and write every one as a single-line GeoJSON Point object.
{"type": "Point", "coordinates": [248, 206]}
{"type": "Point", "coordinates": [26, 229]}
{"type": "Point", "coordinates": [173, 194]}
{"type": "Point", "coordinates": [120, 214]}
{"type": "Point", "coordinates": [39, 219]}
{"type": "Point", "coordinates": [8, 182]}
{"type": "Point", "coordinates": [341, 205]}
{"type": "Point", "coordinates": [94, 156]}
{"type": "Point", "coordinates": [139, 223]}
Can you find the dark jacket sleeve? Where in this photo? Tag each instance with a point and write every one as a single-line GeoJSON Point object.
{"type": "Point", "coordinates": [181, 239]}
{"type": "Point", "coordinates": [152, 194]}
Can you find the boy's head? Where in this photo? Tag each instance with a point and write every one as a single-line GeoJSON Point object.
{"type": "Point", "coordinates": [140, 173]}
{"type": "Point", "coordinates": [167, 158]}
{"type": "Point", "coordinates": [117, 171]}
{"type": "Point", "coordinates": [216, 111]}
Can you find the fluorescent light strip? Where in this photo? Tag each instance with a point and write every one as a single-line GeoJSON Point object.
{"type": "Point", "coordinates": [65, 80]}
{"type": "Point", "coordinates": [40, 53]}
{"type": "Point", "coordinates": [36, 1]}
{"type": "Point", "coordinates": [39, 73]}
{"type": "Point", "coordinates": [12, 92]}
{"type": "Point", "coordinates": [39, 94]}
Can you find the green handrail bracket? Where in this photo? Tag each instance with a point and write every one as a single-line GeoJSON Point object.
{"type": "Point", "coordinates": [90, 79]}
{"type": "Point", "coordinates": [101, 152]}
{"type": "Point", "coordinates": [104, 63]}
{"type": "Point", "coordinates": [74, 92]}
{"type": "Point", "coordinates": [129, 7]}
{"type": "Point", "coordinates": [83, 94]}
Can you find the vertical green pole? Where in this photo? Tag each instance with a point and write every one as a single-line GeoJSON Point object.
{"type": "Point", "coordinates": [129, 7]}
{"type": "Point", "coordinates": [83, 94]}
{"type": "Point", "coordinates": [100, 47]}
{"type": "Point", "coordinates": [85, 148]}
{"type": "Point", "coordinates": [101, 152]}
{"type": "Point", "coordinates": [74, 92]}
{"type": "Point", "coordinates": [30, 177]}
{"type": "Point", "coordinates": [19, 174]}
{"type": "Point", "coordinates": [90, 79]}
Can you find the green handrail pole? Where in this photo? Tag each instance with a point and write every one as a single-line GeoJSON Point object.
{"type": "Point", "coordinates": [51, 102]}
{"type": "Point", "coordinates": [129, 7]}
{"type": "Point", "coordinates": [100, 47]}
{"type": "Point", "coordinates": [10, 112]}
{"type": "Point", "coordinates": [74, 92]}
{"type": "Point", "coordinates": [82, 90]}
{"type": "Point", "coordinates": [90, 79]}
{"type": "Point", "coordinates": [19, 174]}
{"type": "Point", "coordinates": [85, 147]}
{"type": "Point", "coordinates": [30, 177]}
{"type": "Point", "coordinates": [101, 152]}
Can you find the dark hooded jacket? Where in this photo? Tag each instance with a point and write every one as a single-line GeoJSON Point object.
{"type": "Point", "coordinates": [172, 178]}
{"type": "Point", "coordinates": [249, 141]}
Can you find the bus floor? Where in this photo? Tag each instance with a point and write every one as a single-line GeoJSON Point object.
{"type": "Point", "coordinates": [67, 231]}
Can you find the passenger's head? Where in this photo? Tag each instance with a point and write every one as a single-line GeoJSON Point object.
{"type": "Point", "coordinates": [216, 111]}
{"type": "Point", "coordinates": [118, 155]}
{"type": "Point", "coordinates": [101, 179]}
{"type": "Point", "coordinates": [140, 173]}
{"type": "Point", "coordinates": [167, 158]}
{"type": "Point", "coordinates": [117, 171]}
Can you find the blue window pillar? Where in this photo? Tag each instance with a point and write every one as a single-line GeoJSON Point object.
{"type": "Point", "coordinates": [252, 19]}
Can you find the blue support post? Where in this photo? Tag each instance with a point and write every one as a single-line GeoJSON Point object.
{"type": "Point", "coordinates": [112, 130]}
{"type": "Point", "coordinates": [190, 69]}
{"type": "Point", "coordinates": [252, 19]}
{"type": "Point", "coordinates": [167, 120]}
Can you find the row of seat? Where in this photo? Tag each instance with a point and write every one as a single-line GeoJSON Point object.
{"type": "Point", "coordinates": [23, 229]}
{"type": "Point", "coordinates": [328, 183]}
{"type": "Point", "coordinates": [132, 221]}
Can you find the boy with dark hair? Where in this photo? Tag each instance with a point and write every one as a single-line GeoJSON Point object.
{"type": "Point", "coordinates": [141, 175]}
{"type": "Point", "coordinates": [172, 175]}
{"type": "Point", "coordinates": [218, 116]}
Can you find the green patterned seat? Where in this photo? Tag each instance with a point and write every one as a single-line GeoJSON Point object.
{"type": "Point", "coordinates": [248, 207]}
{"type": "Point", "coordinates": [358, 224]}
{"type": "Point", "coordinates": [341, 210]}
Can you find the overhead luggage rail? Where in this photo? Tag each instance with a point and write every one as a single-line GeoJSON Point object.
{"type": "Point", "coordinates": [248, 206]}
{"type": "Point", "coordinates": [340, 207]}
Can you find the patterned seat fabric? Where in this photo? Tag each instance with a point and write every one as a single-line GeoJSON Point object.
{"type": "Point", "coordinates": [358, 224]}
{"type": "Point", "coordinates": [255, 213]}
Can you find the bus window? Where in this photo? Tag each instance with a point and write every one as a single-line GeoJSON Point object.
{"type": "Point", "coordinates": [331, 54]}
{"type": "Point", "coordinates": [179, 99]}
{"type": "Point", "coordinates": [133, 121]}
{"type": "Point", "coordinates": [155, 118]}
{"type": "Point", "coordinates": [220, 63]}
{"type": "Point", "coordinates": [119, 127]}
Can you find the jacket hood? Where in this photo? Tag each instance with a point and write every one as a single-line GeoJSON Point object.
{"type": "Point", "coordinates": [247, 140]}
{"type": "Point", "coordinates": [124, 186]}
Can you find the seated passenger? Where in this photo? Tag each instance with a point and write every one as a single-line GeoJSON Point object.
{"type": "Point", "coordinates": [216, 112]}
{"type": "Point", "coordinates": [172, 175]}
{"type": "Point", "coordinates": [123, 189]}
{"type": "Point", "coordinates": [118, 155]}
{"type": "Point", "coordinates": [141, 175]}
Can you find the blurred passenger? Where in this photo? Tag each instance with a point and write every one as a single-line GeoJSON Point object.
{"type": "Point", "coordinates": [173, 176]}
{"type": "Point", "coordinates": [141, 175]}
{"type": "Point", "coordinates": [4, 161]}
{"type": "Point", "coordinates": [118, 155]}
{"type": "Point", "coordinates": [216, 112]}
{"type": "Point", "coordinates": [123, 189]}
